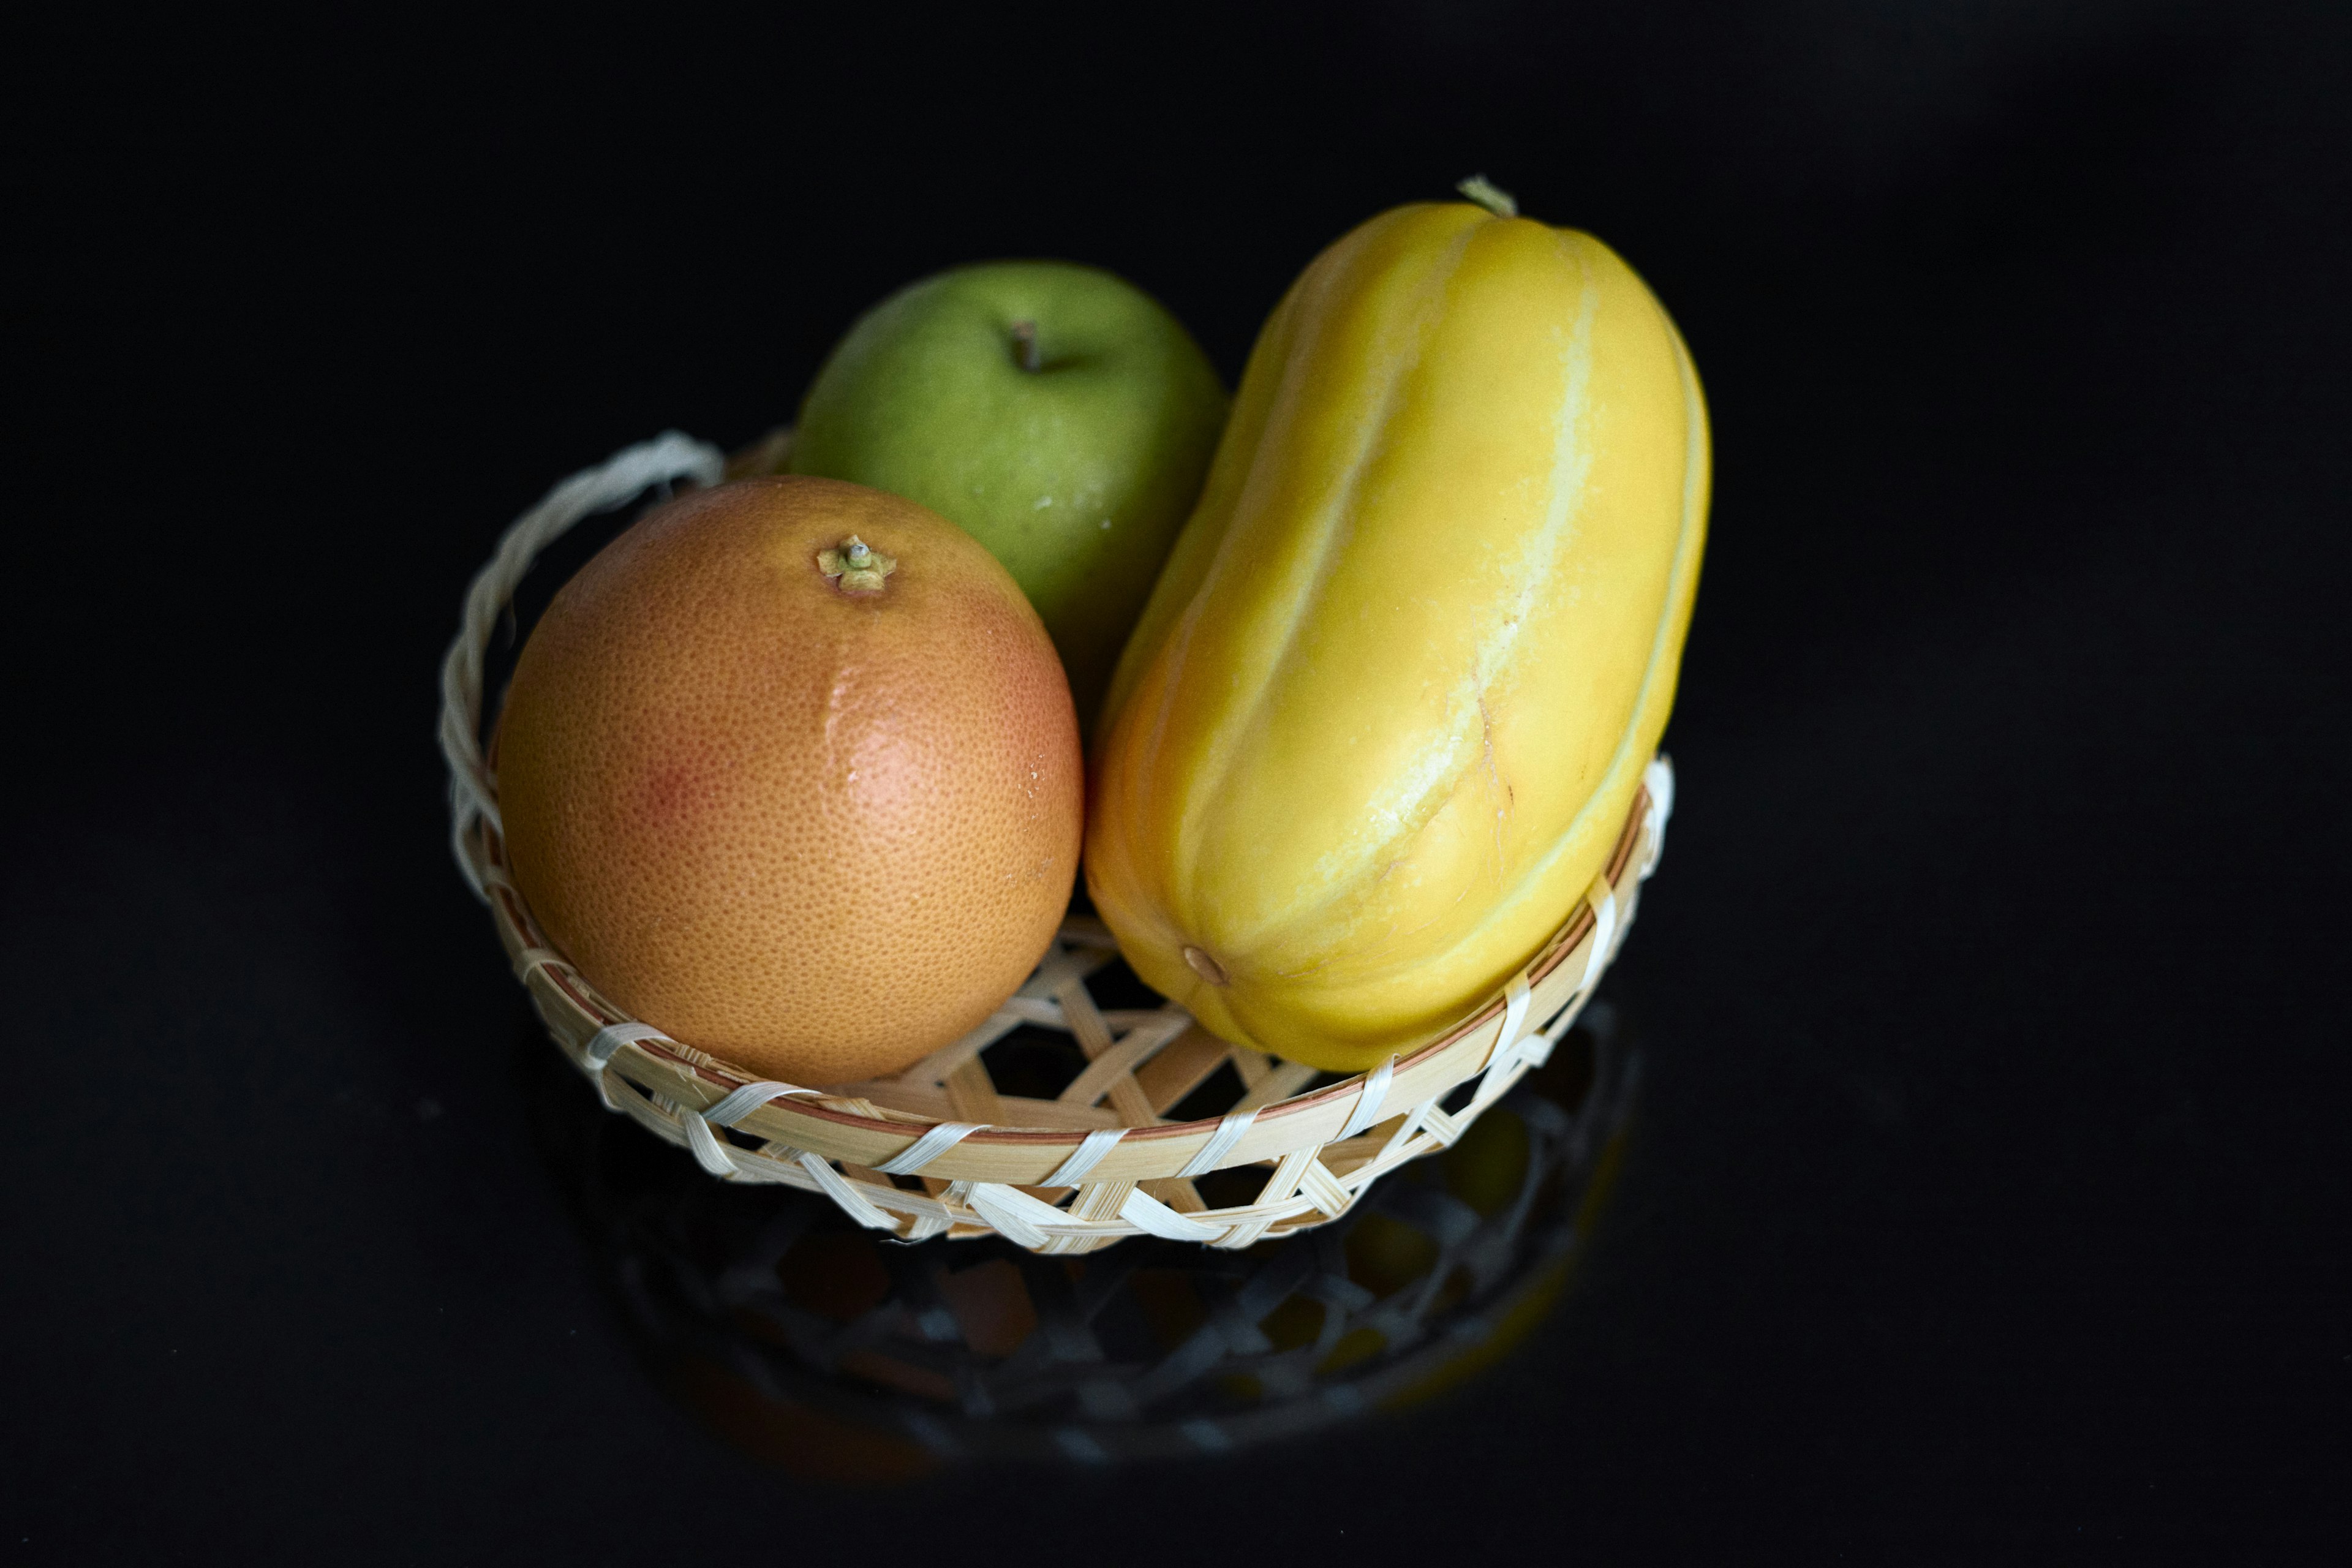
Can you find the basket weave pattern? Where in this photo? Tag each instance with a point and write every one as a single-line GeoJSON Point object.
{"type": "Point", "coordinates": [937, 1150]}
{"type": "Point", "coordinates": [1155, 1349]}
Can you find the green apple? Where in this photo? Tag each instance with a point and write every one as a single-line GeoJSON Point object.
{"type": "Point", "coordinates": [1058, 414]}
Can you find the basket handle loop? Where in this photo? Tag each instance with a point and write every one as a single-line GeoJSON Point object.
{"type": "Point", "coordinates": [667, 458]}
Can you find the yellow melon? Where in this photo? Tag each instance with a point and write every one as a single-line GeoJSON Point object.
{"type": "Point", "coordinates": [1390, 700]}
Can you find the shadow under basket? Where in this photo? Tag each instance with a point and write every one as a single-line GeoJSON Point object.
{"type": "Point", "coordinates": [1062, 1124]}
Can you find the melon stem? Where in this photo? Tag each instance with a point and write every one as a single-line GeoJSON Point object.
{"type": "Point", "coordinates": [1490, 196]}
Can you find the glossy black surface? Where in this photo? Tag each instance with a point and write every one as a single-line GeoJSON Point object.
{"type": "Point", "coordinates": [1986, 1196]}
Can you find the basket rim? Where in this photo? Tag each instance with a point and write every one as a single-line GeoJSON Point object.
{"type": "Point", "coordinates": [813, 1103]}
{"type": "Point", "coordinates": [1548, 956]}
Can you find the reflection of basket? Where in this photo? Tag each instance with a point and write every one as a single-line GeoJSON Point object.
{"type": "Point", "coordinates": [954, 1146]}
{"type": "Point", "coordinates": [825, 1349]}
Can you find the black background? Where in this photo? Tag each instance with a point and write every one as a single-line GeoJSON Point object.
{"type": "Point", "coordinates": [1989, 1196]}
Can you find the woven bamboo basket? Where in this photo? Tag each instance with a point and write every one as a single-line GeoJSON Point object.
{"type": "Point", "coordinates": [941, 1149]}
{"type": "Point", "coordinates": [836, 1353]}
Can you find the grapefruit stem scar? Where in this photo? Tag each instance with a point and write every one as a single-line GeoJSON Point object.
{"type": "Point", "coordinates": [858, 566]}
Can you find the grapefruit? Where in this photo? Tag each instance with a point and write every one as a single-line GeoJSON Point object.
{"type": "Point", "coordinates": [790, 772]}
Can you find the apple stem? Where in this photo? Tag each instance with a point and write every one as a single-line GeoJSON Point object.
{"type": "Point", "coordinates": [1025, 345]}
